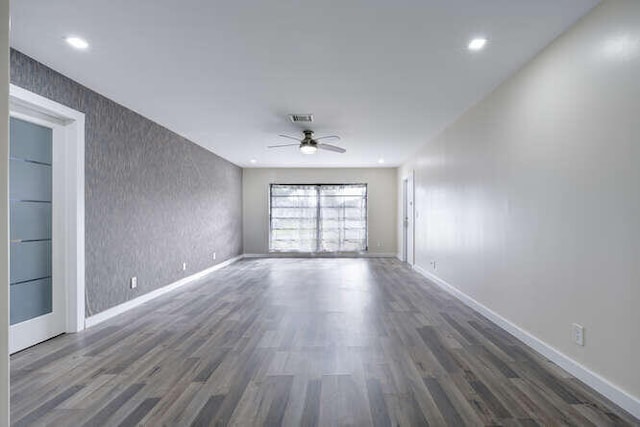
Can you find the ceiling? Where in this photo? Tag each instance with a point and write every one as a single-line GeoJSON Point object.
{"type": "Point", "coordinates": [384, 75]}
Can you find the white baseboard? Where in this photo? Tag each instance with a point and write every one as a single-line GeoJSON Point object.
{"type": "Point", "coordinates": [322, 255]}
{"type": "Point", "coordinates": [620, 397]}
{"type": "Point", "coordinates": [126, 306]}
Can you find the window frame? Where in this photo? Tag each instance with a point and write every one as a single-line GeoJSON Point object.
{"type": "Point", "coordinates": [318, 186]}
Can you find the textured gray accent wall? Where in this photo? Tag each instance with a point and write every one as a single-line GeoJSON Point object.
{"type": "Point", "coordinates": [153, 198]}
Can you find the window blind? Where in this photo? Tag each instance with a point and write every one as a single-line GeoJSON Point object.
{"type": "Point", "coordinates": [318, 218]}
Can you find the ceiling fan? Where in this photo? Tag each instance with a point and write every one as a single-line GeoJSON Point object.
{"type": "Point", "coordinates": [309, 144]}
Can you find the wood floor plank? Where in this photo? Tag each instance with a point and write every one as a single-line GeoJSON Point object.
{"type": "Point", "coordinates": [140, 412]}
{"type": "Point", "coordinates": [490, 400]}
{"type": "Point", "coordinates": [48, 406]}
{"type": "Point", "coordinates": [444, 356]}
{"type": "Point", "coordinates": [204, 374]}
{"type": "Point", "coordinates": [300, 342]}
{"type": "Point", "coordinates": [311, 413]}
{"type": "Point", "coordinates": [377, 404]}
{"type": "Point", "coordinates": [208, 411]}
{"type": "Point", "coordinates": [448, 411]}
{"type": "Point", "coordinates": [101, 417]}
{"type": "Point", "coordinates": [281, 388]}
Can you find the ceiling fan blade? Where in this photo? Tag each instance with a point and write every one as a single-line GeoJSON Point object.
{"type": "Point", "coordinates": [282, 145]}
{"type": "Point", "coordinates": [331, 148]}
{"type": "Point", "coordinates": [336, 137]}
{"type": "Point", "coordinates": [290, 137]}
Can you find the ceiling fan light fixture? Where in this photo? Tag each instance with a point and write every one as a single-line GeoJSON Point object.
{"type": "Point", "coordinates": [308, 149]}
{"type": "Point", "coordinates": [77, 42]}
{"type": "Point", "coordinates": [477, 44]}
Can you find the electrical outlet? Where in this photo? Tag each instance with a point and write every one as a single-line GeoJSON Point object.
{"type": "Point", "coordinates": [379, 244]}
{"type": "Point", "coordinates": [184, 266]}
{"type": "Point", "coordinates": [214, 256]}
{"type": "Point", "coordinates": [433, 264]}
{"type": "Point", "coordinates": [133, 283]}
{"type": "Point", "coordinates": [578, 334]}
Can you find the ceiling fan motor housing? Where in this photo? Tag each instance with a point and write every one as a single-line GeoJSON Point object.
{"type": "Point", "coordinates": [308, 137]}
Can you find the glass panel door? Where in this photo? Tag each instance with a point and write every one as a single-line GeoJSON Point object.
{"type": "Point", "coordinates": [30, 166]}
{"type": "Point", "coordinates": [294, 218]}
{"type": "Point", "coordinates": [343, 218]}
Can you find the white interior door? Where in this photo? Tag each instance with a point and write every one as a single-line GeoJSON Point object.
{"type": "Point", "coordinates": [37, 292]}
{"type": "Point", "coordinates": [408, 220]}
{"type": "Point", "coordinates": [404, 220]}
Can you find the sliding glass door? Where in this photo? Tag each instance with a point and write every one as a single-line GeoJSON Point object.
{"type": "Point", "coordinates": [294, 218]}
{"type": "Point", "coordinates": [318, 218]}
{"type": "Point", "coordinates": [343, 218]}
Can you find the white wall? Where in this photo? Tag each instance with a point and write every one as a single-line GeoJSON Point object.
{"type": "Point", "coordinates": [4, 212]}
{"type": "Point", "coordinates": [530, 202]}
{"type": "Point", "coordinates": [382, 201]}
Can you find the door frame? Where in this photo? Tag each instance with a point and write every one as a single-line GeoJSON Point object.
{"type": "Point", "coordinates": [408, 218]}
{"type": "Point", "coordinates": [69, 134]}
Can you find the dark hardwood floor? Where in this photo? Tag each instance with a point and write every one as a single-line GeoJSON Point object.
{"type": "Point", "coordinates": [300, 342]}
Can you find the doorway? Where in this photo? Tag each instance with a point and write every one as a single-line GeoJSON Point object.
{"type": "Point", "coordinates": [408, 219]}
{"type": "Point", "coordinates": [46, 219]}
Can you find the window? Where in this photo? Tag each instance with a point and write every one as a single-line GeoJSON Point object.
{"type": "Point", "coordinates": [318, 218]}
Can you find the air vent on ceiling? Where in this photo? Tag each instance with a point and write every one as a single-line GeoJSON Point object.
{"type": "Point", "coordinates": [301, 118]}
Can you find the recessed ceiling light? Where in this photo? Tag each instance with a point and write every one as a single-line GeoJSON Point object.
{"type": "Point", "coordinates": [381, 161]}
{"type": "Point", "coordinates": [253, 161]}
{"type": "Point", "coordinates": [77, 42]}
{"type": "Point", "coordinates": [477, 44]}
